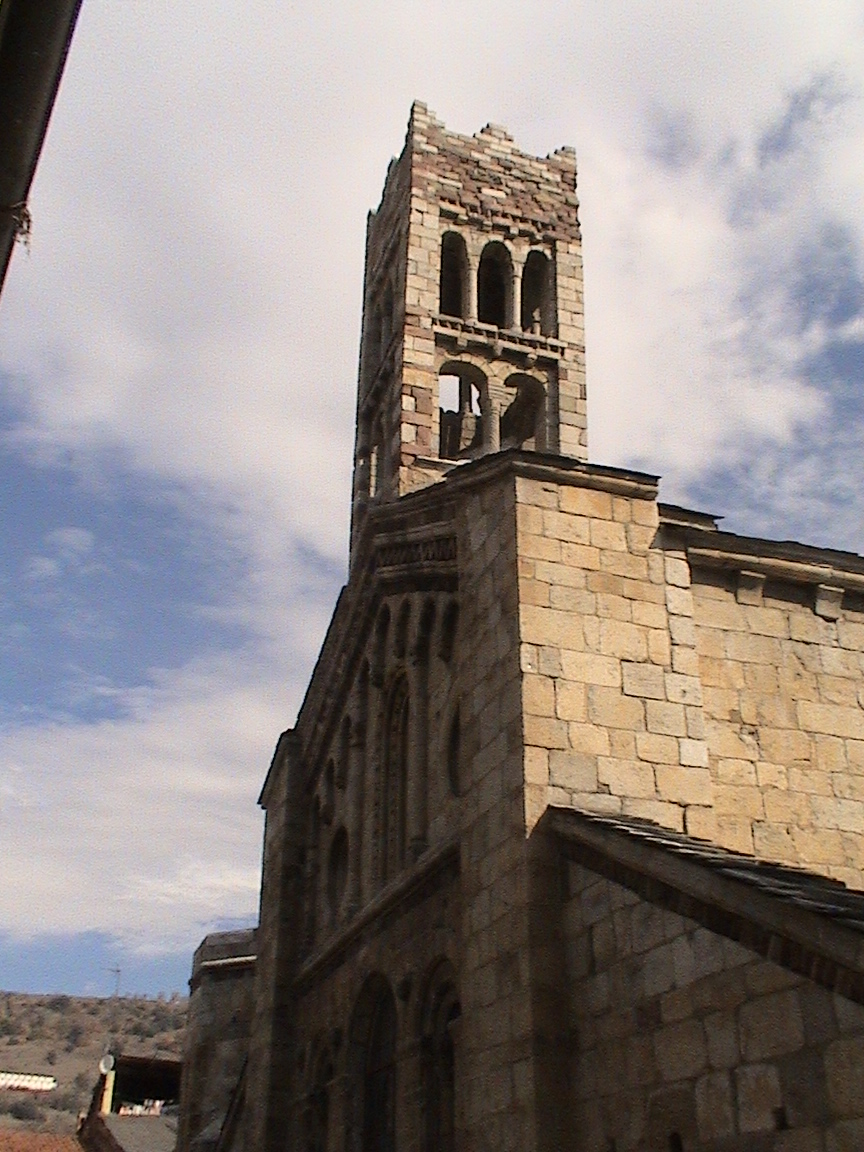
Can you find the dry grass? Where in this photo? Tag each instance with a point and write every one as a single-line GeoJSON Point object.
{"type": "Point", "coordinates": [66, 1036]}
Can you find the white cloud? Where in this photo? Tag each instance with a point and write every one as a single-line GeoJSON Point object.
{"type": "Point", "coordinates": [191, 309]}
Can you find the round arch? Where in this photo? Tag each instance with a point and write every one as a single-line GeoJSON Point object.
{"type": "Point", "coordinates": [495, 285]}
{"type": "Point", "coordinates": [371, 1069]}
{"type": "Point", "coordinates": [439, 1010]}
{"type": "Point", "coordinates": [453, 284]}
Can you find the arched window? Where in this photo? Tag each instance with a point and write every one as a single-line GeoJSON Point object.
{"type": "Point", "coordinates": [318, 1106]}
{"type": "Point", "coordinates": [440, 1014]}
{"type": "Point", "coordinates": [459, 400]}
{"type": "Point", "coordinates": [495, 286]}
{"type": "Point", "coordinates": [337, 873]}
{"type": "Point", "coordinates": [379, 1082]}
{"type": "Point", "coordinates": [371, 1067]}
{"type": "Point", "coordinates": [394, 789]}
{"type": "Point", "coordinates": [538, 310]}
{"type": "Point", "coordinates": [454, 275]}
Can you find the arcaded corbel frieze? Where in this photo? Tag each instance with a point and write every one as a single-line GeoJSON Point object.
{"type": "Point", "coordinates": [791, 571]}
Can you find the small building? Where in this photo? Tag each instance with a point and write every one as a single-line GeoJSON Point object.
{"type": "Point", "coordinates": [134, 1106]}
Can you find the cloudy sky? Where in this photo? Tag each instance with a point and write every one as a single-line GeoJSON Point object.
{"type": "Point", "coordinates": [178, 362]}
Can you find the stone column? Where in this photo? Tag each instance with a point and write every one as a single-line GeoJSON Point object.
{"type": "Point", "coordinates": [471, 295]}
{"type": "Point", "coordinates": [516, 298]}
{"type": "Point", "coordinates": [491, 416]}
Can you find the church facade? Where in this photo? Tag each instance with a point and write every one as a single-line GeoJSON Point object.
{"type": "Point", "coordinates": [566, 847]}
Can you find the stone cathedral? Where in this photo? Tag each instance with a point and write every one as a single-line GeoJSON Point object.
{"type": "Point", "coordinates": [565, 850]}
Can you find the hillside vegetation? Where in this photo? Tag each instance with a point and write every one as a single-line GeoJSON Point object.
{"type": "Point", "coordinates": [66, 1036]}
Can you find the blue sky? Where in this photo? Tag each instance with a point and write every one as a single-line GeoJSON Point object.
{"type": "Point", "coordinates": [178, 363]}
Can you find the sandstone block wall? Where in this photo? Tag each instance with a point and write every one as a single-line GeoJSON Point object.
{"type": "Point", "coordinates": [706, 699]}
{"type": "Point", "coordinates": [611, 692]}
{"type": "Point", "coordinates": [683, 1039]}
{"type": "Point", "coordinates": [496, 1081]}
{"type": "Point", "coordinates": [783, 689]}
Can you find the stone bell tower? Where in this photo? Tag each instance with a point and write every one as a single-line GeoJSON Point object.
{"type": "Point", "coordinates": [473, 333]}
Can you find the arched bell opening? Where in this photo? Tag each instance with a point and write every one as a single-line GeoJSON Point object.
{"type": "Point", "coordinates": [462, 395]}
{"type": "Point", "coordinates": [495, 286]}
{"type": "Point", "coordinates": [453, 285]}
{"type": "Point", "coordinates": [538, 296]}
{"type": "Point", "coordinates": [521, 420]}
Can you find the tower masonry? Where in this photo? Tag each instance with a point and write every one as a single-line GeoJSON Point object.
{"type": "Point", "coordinates": [473, 333]}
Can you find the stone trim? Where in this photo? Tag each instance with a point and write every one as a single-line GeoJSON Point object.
{"type": "Point", "coordinates": [467, 333]}
{"type": "Point", "coordinates": [792, 570]}
{"type": "Point", "coordinates": [412, 886]}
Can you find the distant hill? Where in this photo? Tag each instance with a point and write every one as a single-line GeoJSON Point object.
{"type": "Point", "coordinates": [66, 1036]}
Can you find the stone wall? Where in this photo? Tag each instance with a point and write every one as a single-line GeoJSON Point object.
{"type": "Point", "coordinates": [683, 1039]}
{"type": "Point", "coordinates": [783, 692]}
{"type": "Point", "coordinates": [401, 949]}
{"type": "Point", "coordinates": [709, 701]}
{"type": "Point", "coordinates": [217, 1034]}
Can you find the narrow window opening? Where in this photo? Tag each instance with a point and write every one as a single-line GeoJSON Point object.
{"type": "Point", "coordinates": [454, 274]}
{"type": "Point", "coordinates": [379, 1080]}
{"type": "Point", "coordinates": [319, 1109]}
{"type": "Point", "coordinates": [337, 873]}
{"type": "Point", "coordinates": [439, 1047]}
{"type": "Point", "coordinates": [537, 304]}
{"type": "Point", "coordinates": [460, 422]}
{"type": "Point", "coordinates": [494, 285]}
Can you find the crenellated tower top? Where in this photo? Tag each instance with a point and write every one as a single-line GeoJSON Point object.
{"type": "Point", "coordinates": [473, 333]}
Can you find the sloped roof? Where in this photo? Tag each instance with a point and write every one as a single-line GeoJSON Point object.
{"type": "Point", "coordinates": [808, 923]}
{"type": "Point", "coordinates": [143, 1133]}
